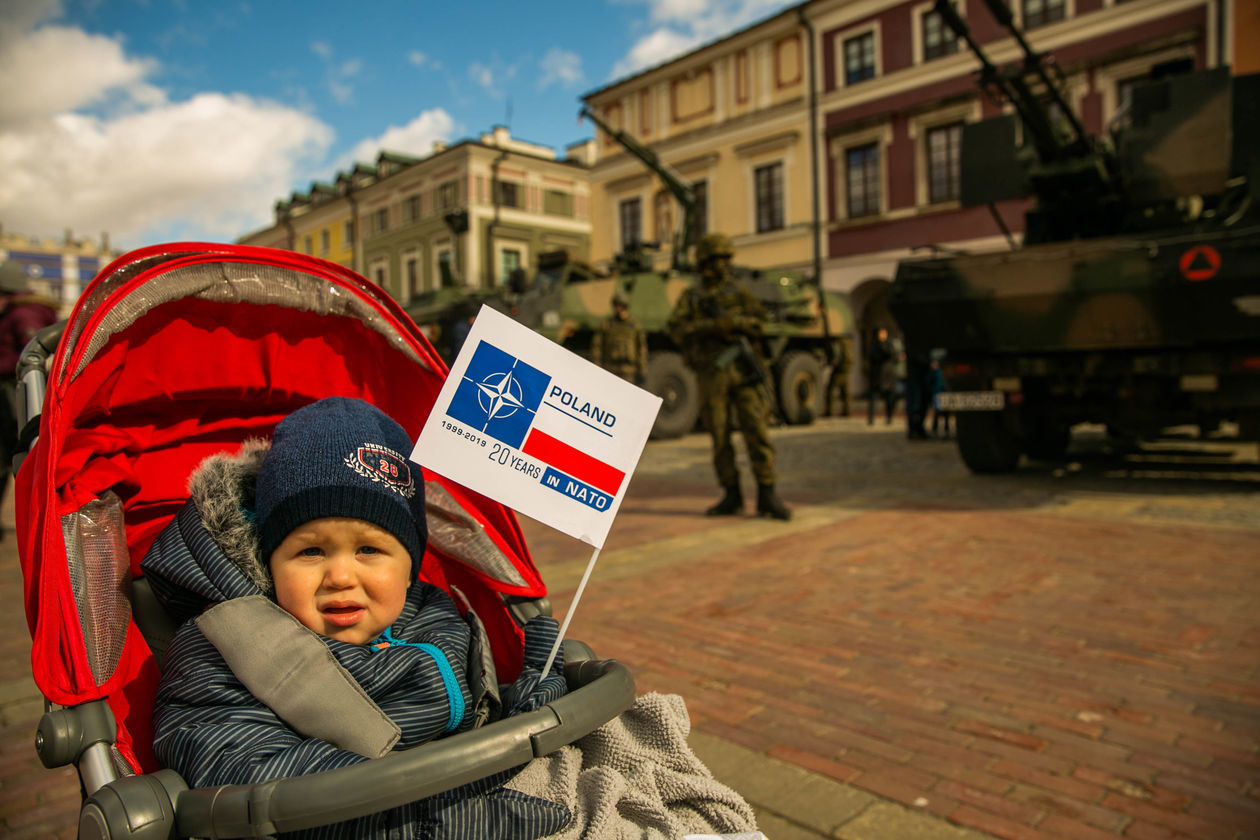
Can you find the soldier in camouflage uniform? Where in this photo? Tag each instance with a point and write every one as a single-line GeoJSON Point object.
{"type": "Point", "coordinates": [620, 345]}
{"type": "Point", "coordinates": [714, 324]}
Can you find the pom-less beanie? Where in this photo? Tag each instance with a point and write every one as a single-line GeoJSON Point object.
{"type": "Point", "coordinates": [340, 457]}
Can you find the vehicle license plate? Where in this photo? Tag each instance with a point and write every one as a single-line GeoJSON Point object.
{"type": "Point", "coordinates": [972, 400]}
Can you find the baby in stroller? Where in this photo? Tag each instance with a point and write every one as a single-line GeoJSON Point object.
{"type": "Point", "coordinates": [333, 533]}
{"type": "Point", "coordinates": [174, 359]}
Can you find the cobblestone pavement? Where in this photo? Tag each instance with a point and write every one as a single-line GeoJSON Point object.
{"type": "Point", "coordinates": [1069, 652]}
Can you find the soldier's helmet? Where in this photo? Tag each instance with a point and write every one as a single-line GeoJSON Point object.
{"type": "Point", "coordinates": [713, 245]}
{"type": "Point", "coordinates": [620, 299]}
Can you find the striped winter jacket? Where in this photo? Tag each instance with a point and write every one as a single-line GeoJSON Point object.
{"type": "Point", "coordinates": [209, 728]}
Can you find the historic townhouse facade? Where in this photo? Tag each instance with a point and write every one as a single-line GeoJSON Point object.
{"type": "Point", "coordinates": [863, 101]}
{"type": "Point", "coordinates": [731, 119]}
{"type": "Point", "coordinates": [468, 214]}
{"type": "Point", "coordinates": [897, 88]}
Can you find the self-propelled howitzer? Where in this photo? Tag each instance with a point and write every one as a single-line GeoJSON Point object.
{"type": "Point", "coordinates": [1133, 300]}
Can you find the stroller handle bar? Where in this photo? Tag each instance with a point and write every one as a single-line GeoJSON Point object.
{"type": "Point", "coordinates": [32, 377]}
{"type": "Point", "coordinates": [161, 805]}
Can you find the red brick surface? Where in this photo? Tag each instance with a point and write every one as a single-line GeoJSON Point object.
{"type": "Point", "coordinates": [1025, 674]}
{"type": "Point", "coordinates": [1025, 662]}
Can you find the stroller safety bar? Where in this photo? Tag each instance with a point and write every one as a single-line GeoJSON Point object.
{"type": "Point", "coordinates": [159, 805]}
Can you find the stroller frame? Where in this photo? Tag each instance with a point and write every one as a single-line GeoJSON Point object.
{"type": "Point", "coordinates": [474, 542]}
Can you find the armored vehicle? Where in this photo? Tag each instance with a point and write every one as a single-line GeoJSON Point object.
{"type": "Point", "coordinates": [1134, 300]}
{"type": "Point", "coordinates": [808, 335]}
{"type": "Point", "coordinates": [807, 353]}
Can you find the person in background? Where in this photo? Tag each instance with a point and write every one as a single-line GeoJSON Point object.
{"type": "Point", "coordinates": [22, 315]}
{"type": "Point", "coordinates": [881, 376]}
{"type": "Point", "coordinates": [716, 323]}
{"type": "Point", "coordinates": [936, 380]}
{"type": "Point", "coordinates": [620, 345]}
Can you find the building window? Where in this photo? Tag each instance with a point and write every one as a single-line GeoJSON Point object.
{"type": "Point", "coordinates": [859, 58]}
{"type": "Point", "coordinates": [324, 242]}
{"type": "Point", "coordinates": [380, 220]}
{"type": "Point", "coordinates": [411, 208]}
{"type": "Point", "coordinates": [862, 179]}
{"type": "Point", "coordinates": [938, 39]}
{"type": "Point", "coordinates": [630, 214]}
{"type": "Point", "coordinates": [307, 246]}
{"type": "Point", "coordinates": [509, 194]}
{"type": "Point", "coordinates": [1040, 12]}
{"type": "Point", "coordinates": [347, 234]}
{"type": "Point", "coordinates": [412, 272]}
{"type": "Point", "coordinates": [768, 182]}
{"type": "Point", "coordinates": [700, 221]}
{"type": "Point", "coordinates": [379, 275]}
{"type": "Point", "coordinates": [509, 261]}
{"type": "Point", "coordinates": [558, 203]}
{"type": "Point", "coordinates": [446, 269]}
{"type": "Point", "coordinates": [447, 195]}
{"type": "Point", "coordinates": [943, 162]}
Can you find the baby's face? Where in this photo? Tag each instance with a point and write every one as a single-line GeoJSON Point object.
{"type": "Point", "coordinates": [343, 578]}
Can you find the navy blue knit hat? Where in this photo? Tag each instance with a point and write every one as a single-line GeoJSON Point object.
{"type": "Point", "coordinates": [340, 457]}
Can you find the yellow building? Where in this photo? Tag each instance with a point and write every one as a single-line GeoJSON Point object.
{"type": "Point", "coordinates": [467, 214]}
{"type": "Point", "coordinates": [733, 120]}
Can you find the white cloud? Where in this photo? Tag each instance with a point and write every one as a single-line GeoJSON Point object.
{"type": "Point", "coordinates": [415, 138]}
{"type": "Point", "coordinates": [562, 67]}
{"type": "Point", "coordinates": [323, 49]}
{"type": "Point", "coordinates": [482, 75]}
{"type": "Point", "coordinates": [340, 87]}
{"type": "Point", "coordinates": [655, 48]}
{"type": "Point", "coordinates": [137, 166]}
{"type": "Point", "coordinates": [20, 16]}
{"type": "Point", "coordinates": [56, 68]}
{"type": "Point", "coordinates": [683, 25]}
{"type": "Point", "coordinates": [417, 58]}
{"type": "Point", "coordinates": [214, 163]}
{"type": "Point", "coordinates": [677, 11]}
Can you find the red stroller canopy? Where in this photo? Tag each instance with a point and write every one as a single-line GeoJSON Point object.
{"type": "Point", "coordinates": [177, 352]}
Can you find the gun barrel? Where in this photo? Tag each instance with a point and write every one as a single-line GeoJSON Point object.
{"type": "Point", "coordinates": [1001, 12]}
{"type": "Point", "coordinates": [1034, 63]}
{"type": "Point", "coordinates": [683, 193]}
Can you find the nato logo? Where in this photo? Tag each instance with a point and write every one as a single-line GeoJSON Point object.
{"type": "Point", "coordinates": [498, 395]}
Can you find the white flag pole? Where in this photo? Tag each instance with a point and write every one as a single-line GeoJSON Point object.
{"type": "Point", "coordinates": [577, 596]}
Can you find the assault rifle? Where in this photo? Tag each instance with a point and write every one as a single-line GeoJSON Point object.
{"type": "Point", "coordinates": [741, 353]}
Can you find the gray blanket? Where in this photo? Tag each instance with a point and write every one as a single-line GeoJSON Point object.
{"type": "Point", "coordinates": [636, 777]}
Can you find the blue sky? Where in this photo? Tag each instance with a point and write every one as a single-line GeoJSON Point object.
{"type": "Point", "coordinates": [160, 120]}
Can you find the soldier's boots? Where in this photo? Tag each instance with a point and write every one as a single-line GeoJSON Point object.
{"type": "Point", "coordinates": [731, 503]}
{"type": "Point", "coordinates": [769, 504]}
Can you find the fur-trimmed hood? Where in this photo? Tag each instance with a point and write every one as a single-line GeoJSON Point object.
{"type": "Point", "coordinates": [222, 489]}
{"type": "Point", "coordinates": [210, 552]}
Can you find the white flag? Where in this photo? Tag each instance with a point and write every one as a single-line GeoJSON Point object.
{"type": "Point", "coordinates": [537, 428]}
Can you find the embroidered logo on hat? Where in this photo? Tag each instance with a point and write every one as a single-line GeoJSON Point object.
{"type": "Point", "coordinates": [382, 464]}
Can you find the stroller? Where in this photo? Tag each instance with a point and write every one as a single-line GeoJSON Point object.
{"type": "Point", "coordinates": [172, 354]}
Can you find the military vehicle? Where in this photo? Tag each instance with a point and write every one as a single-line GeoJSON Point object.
{"type": "Point", "coordinates": [1134, 299]}
{"type": "Point", "coordinates": [808, 346]}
